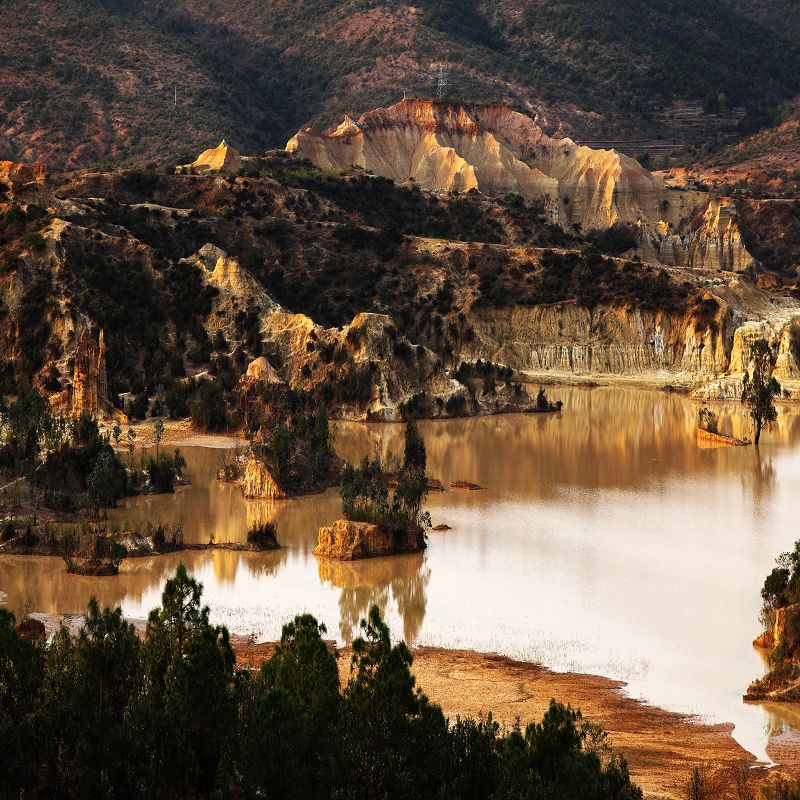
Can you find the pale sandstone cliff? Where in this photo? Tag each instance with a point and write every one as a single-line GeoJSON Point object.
{"type": "Point", "coordinates": [444, 147]}
{"type": "Point", "coordinates": [683, 349]}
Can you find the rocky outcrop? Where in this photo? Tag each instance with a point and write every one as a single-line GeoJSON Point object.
{"type": "Point", "coordinates": [263, 397]}
{"type": "Point", "coordinates": [25, 183]}
{"type": "Point", "coordinates": [347, 541]}
{"type": "Point", "coordinates": [704, 347]}
{"type": "Point", "coordinates": [447, 147]}
{"type": "Point", "coordinates": [781, 684]}
{"type": "Point", "coordinates": [616, 340]}
{"type": "Point", "coordinates": [711, 242]}
{"type": "Point", "coordinates": [385, 377]}
{"type": "Point", "coordinates": [223, 159]}
{"type": "Point", "coordinates": [258, 482]}
{"type": "Point", "coordinates": [89, 382]}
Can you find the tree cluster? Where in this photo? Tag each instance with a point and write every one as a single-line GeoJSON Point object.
{"type": "Point", "coordinates": [365, 489]}
{"type": "Point", "coordinates": [107, 714]}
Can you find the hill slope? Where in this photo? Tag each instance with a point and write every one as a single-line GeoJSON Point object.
{"type": "Point", "coordinates": [86, 80]}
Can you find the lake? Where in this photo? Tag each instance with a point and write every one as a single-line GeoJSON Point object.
{"type": "Point", "coordinates": [605, 542]}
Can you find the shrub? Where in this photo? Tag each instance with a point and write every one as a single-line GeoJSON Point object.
{"type": "Point", "coordinates": [208, 408]}
{"type": "Point", "coordinates": [263, 535]}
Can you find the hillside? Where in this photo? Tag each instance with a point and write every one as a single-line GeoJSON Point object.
{"type": "Point", "coordinates": [368, 293]}
{"type": "Point", "coordinates": [87, 81]}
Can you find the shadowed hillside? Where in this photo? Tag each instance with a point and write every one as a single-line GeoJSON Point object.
{"type": "Point", "coordinates": [84, 81]}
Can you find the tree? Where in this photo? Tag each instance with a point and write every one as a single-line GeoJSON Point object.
{"type": "Point", "coordinates": [183, 720]}
{"type": "Point", "coordinates": [131, 436]}
{"type": "Point", "coordinates": [106, 481]}
{"type": "Point", "coordinates": [295, 705]}
{"type": "Point", "coordinates": [117, 434]}
{"type": "Point", "coordinates": [21, 673]}
{"type": "Point", "coordinates": [280, 446]}
{"type": "Point", "coordinates": [158, 432]}
{"type": "Point", "coordinates": [208, 408]}
{"type": "Point", "coordinates": [760, 388]}
{"type": "Point", "coordinates": [90, 682]}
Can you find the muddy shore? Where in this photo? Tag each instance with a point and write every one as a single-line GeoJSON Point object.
{"type": "Point", "coordinates": [662, 747]}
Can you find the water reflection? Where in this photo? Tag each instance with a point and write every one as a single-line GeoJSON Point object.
{"type": "Point", "coordinates": [606, 541]}
{"type": "Point", "coordinates": [363, 583]}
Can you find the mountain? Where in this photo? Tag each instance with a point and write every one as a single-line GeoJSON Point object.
{"type": "Point", "coordinates": [90, 81]}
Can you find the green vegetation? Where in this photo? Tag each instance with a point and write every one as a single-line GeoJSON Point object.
{"type": "Point", "coordinates": [365, 489]}
{"type": "Point", "coordinates": [69, 463]}
{"type": "Point", "coordinates": [299, 451]}
{"type": "Point", "coordinates": [170, 716]}
{"type": "Point", "coordinates": [759, 387]}
{"type": "Point", "coordinates": [263, 535]}
{"type": "Point", "coordinates": [64, 460]}
{"type": "Point", "coordinates": [295, 62]}
{"type": "Point", "coordinates": [782, 586]}
{"type": "Point", "coordinates": [586, 277]}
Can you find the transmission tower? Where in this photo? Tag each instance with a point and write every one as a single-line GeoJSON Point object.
{"type": "Point", "coordinates": [441, 82]}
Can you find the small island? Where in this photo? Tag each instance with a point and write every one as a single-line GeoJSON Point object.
{"type": "Point", "coordinates": [780, 616]}
{"type": "Point", "coordinates": [291, 442]}
{"type": "Point", "coordinates": [374, 523]}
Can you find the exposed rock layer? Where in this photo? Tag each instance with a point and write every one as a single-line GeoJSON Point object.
{"type": "Point", "coordinates": [445, 147]}
{"type": "Point", "coordinates": [348, 541]}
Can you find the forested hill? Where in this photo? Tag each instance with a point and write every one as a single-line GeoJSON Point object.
{"type": "Point", "coordinates": [86, 81]}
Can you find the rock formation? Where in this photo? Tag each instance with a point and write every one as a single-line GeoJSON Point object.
{"type": "Point", "coordinates": [390, 372]}
{"type": "Point", "coordinates": [223, 159]}
{"type": "Point", "coordinates": [258, 482]}
{"type": "Point", "coordinates": [263, 396]}
{"type": "Point", "coordinates": [712, 242]}
{"type": "Point", "coordinates": [89, 382]}
{"type": "Point", "coordinates": [445, 147]}
{"type": "Point", "coordinates": [490, 148]}
{"type": "Point", "coordinates": [25, 183]}
{"type": "Point", "coordinates": [347, 541]}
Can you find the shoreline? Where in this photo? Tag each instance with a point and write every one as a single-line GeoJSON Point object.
{"type": "Point", "coordinates": [662, 747]}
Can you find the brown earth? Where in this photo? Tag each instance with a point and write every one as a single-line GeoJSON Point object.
{"type": "Point", "coordinates": [662, 747]}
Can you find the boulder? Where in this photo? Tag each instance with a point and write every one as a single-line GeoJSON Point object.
{"type": "Point", "coordinates": [347, 540]}
{"type": "Point", "coordinates": [222, 158]}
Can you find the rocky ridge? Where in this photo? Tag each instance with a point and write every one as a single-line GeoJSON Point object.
{"type": "Point", "coordinates": [495, 150]}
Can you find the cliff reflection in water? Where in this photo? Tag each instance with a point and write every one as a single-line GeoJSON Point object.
{"type": "Point", "coordinates": [606, 542]}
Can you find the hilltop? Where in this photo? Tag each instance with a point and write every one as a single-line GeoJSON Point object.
{"type": "Point", "coordinates": [84, 82]}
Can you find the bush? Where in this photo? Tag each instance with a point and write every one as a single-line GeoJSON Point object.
{"type": "Point", "coordinates": [263, 535]}
{"type": "Point", "coordinates": [208, 407]}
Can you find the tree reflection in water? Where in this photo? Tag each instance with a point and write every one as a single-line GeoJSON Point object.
{"type": "Point", "coordinates": [404, 578]}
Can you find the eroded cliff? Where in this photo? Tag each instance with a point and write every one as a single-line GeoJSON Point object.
{"type": "Point", "coordinates": [493, 149]}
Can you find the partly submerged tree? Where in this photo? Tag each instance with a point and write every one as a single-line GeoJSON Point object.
{"type": "Point", "coordinates": [759, 388]}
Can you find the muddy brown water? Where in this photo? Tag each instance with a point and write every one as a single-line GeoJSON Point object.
{"type": "Point", "coordinates": [606, 542]}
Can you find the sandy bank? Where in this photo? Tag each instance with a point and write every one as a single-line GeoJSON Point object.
{"type": "Point", "coordinates": [661, 747]}
{"type": "Point", "coordinates": [176, 432]}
